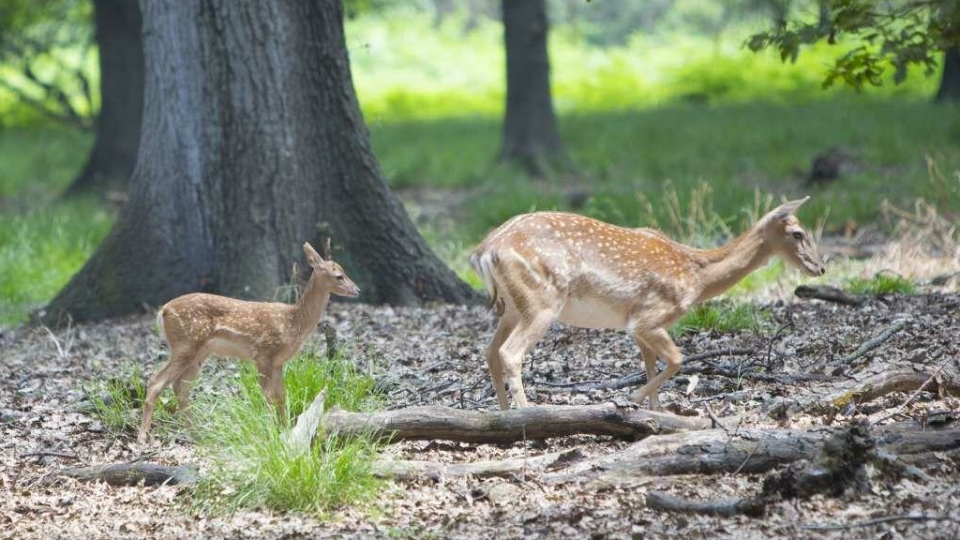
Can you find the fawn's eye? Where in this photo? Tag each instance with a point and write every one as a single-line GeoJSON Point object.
{"type": "Point", "coordinates": [798, 235]}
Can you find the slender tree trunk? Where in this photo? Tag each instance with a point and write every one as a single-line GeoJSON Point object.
{"type": "Point", "coordinates": [252, 143]}
{"type": "Point", "coordinates": [950, 81]}
{"type": "Point", "coordinates": [530, 135]}
{"type": "Point", "coordinates": [120, 45]}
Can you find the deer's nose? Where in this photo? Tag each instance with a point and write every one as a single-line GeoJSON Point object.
{"type": "Point", "coordinates": [823, 270]}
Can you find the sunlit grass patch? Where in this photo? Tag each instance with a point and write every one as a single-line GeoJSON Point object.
{"type": "Point", "coordinates": [881, 283]}
{"type": "Point", "coordinates": [41, 249]}
{"type": "Point", "coordinates": [718, 317]}
{"type": "Point", "coordinates": [240, 433]}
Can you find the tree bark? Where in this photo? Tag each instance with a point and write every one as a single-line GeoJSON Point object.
{"type": "Point", "coordinates": [114, 154]}
{"type": "Point", "coordinates": [253, 142]}
{"type": "Point", "coordinates": [949, 90]}
{"type": "Point", "coordinates": [530, 135]}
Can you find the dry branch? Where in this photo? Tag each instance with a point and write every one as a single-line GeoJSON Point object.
{"type": "Point", "coordinates": [445, 423]}
{"type": "Point", "coordinates": [898, 381]}
{"type": "Point", "coordinates": [753, 451]}
{"type": "Point", "coordinates": [409, 470]}
{"type": "Point", "coordinates": [874, 342]}
{"type": "Point", "coordinates": [749, 507]}
{"type": "Point", "coordinates": [131, 474]}
{"type": "Point", "coordinates": [828, 294]}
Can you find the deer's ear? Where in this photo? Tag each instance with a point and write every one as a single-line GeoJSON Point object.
{"type": "Point", "coordinates": [312, 256]}
{"type": "Point", "coordinates": [786, 209]}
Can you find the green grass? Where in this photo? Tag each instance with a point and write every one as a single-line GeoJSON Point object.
{"type": "Point", "coordinates": [880, 284]}
{"type": "Point", "coordinates": [37, 162]}
{"type": "Point", "coordinates": [718, 316]}
{"type": "Point", "coordinates": [737, 149]}
{"type": "Point", "coordinates": [252, 468]}
{"type": "Point", "coordinates": [41, 249]}
{"type": "Point", "coordinates": [118, 402]}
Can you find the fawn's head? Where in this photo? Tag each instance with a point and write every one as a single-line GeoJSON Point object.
{"type": "Point", "coordinates": [330, 272]}
{"type": "Point", "coordinates": [790, 240]}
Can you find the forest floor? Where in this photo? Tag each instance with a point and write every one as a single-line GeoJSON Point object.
{"type": "Point", "coordinates": [434, 356]}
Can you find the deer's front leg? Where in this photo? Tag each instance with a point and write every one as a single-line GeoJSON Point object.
{"type": "Point", "coordinates": [271, 382]}
{"type": "Point", "coordinates": [659, 341]}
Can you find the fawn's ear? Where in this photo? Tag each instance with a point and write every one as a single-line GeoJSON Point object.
{"type": "Point", "coordinates": [786, 209]}
{"type": "Point", "coordinates": [312, 256]}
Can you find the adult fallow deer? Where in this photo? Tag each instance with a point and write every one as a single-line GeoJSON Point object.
{"type": "Point", "coordinates": [551, 266]}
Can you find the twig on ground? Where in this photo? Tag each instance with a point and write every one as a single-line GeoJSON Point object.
{"type": "Point", "coordinates": [49, 454]}
{"type": "Point", "coordinates": [913, 395]}
{"type": "Point", "coordinates": [879, 521]}
{"type": "Point", "coordinates": [874, 342]}
{"type": "Point", "coordinates": [636, 378]}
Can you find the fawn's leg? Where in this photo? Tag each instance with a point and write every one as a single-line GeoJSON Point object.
{"type": "Point", "coordinates": [504, 328]}
{"type": "Point", "coordinates": [271, 381]}
{"type": "Point", "coordinates": [182, 386]}
{"type": "Point", "coordinates": [180, 361]}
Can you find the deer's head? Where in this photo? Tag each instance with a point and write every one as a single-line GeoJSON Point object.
{"type": "Point", "coordinates": [331, 273]}
{"type": "Point", "coordinates": [790, 240]}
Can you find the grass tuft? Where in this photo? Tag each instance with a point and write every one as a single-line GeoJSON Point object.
{"type": "Point", "coordinates": [252, 468]}
{"type": "Point", "coordinates": [881, 283]}
{"type": "Point", "coordinates": [117, 403]}
{"type": "Point", "coordinates": [718, 317]}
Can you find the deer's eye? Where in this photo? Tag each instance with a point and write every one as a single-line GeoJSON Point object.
{"type": "Point", "coordinates": [798, 235]}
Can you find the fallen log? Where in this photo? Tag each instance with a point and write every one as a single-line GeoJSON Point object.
{"type": "Point", "coordinates": [131, 474]}
{"type": "Point", "coordinates": [888, 383]}
{"type": "Point", "coordinates": [494, 427]}
{"type": "Point", "coordinates": [839, 466]}
{"type": "Point", "coordinates": [749, 507]}
{"type": "Point", "coordinates": [828, 294]}
{"type": "Point", "coordinates": [411, 470]}
{"type": "Point", "coordinates": [753, 451]}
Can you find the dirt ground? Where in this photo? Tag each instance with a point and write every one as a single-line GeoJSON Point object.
{"type": "Point", "coordinates": [433, 356]}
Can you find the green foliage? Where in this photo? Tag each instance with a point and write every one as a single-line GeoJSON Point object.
{"type": "Point", "coordinates": [117, 403]}
{"type": "Point", "coordinates": [879, 36]}
{"type": "Point", "coordinates": [40, 250]}
{"type": "Point", "coordinates": [47, 61]}
{"type": "Point", "coordinates": [718, 316]}
{"type": "Point", "coordinates": [881, 283]}
{"type": "Point", "coordinates": [252, 468]}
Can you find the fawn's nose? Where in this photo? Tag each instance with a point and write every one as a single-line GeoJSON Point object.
{"type": "Point", "coordinates": [823, 270]}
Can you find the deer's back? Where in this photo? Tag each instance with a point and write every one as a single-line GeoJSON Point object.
{"type": "Point", "coordinates": [211, 319]}
{"type": "Point", "coordinates": [603, 272]}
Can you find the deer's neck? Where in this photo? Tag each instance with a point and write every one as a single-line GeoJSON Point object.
{"type": "Point", "coordinates": [311, 305]}
{"type": "Point", "coordinates": [724, 266]}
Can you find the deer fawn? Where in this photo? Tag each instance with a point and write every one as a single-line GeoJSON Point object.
{"type": "Point", "coordinates": [551, 266]}
{"type": "Point", "coordinates": [198, 325]}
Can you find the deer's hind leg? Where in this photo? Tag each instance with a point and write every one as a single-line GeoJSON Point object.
{"type": "Point", "coordinates": [504, 327]}
{"type": "Point", "coordinates": [181, 361]}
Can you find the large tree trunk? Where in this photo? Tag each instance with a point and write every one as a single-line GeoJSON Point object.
{"type": "Point", "coordinates": [950, 81]}
{"type": "Point", "coordinates": [530, 136]}
{"type": "Point", "coordinates": [252, 143]}
{"type": "Point", "coordinates": [120, 44]}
